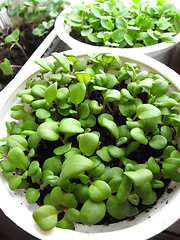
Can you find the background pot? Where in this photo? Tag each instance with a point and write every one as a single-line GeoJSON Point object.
{"type": "Point", "coordinates": [162, 51]}
{"type": "Point", "coordinates": [14, 205]}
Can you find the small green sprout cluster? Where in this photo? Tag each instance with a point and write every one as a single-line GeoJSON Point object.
{"type": "Point", "coordinates": [40, 14]}
{"type": "Point", "coordinates": [6, 67]}
{"type": "Point", "coordinates": [75, 148]}
{"type": "Point", "coordinates": [118, 23]}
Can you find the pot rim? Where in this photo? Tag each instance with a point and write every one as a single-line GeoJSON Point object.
{"type": "Point", "coordinates": [143, 230]}
{"type": "Point", "coordinates": [63, 32]}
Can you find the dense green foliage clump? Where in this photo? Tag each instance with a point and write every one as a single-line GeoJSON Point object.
{"type": "Point", "coordinates": [98, 139]}
{"type": "Point", "coordinates": [119, 23]}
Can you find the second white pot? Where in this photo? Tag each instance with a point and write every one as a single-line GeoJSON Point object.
{"type": "Point", "coordinates": [162, 51]}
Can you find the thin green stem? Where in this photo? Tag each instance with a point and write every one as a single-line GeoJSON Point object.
{"type": "Point", "coordinates": [19, 46]}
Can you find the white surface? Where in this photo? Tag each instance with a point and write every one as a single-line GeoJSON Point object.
{"type": "Point", "coordinates": [161, 51]}
{"type": "Point", "coordinates": [144, 226]}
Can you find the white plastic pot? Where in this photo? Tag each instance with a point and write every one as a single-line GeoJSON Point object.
{"type": "Point", "coordinates": [144, 226]}
{"type": "Point", "coordinates": [162, 51]}
{"type": "Point", "coordinates": [4, 18]}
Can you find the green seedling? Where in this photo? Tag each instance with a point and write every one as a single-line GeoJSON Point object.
{"type": "Point", "coordinates": [13, 39]}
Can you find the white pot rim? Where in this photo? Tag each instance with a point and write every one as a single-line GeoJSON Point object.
{"type": "Point", "coordinates": [63, 30]}
{"type": "Point", "coordinates": [12, 207]}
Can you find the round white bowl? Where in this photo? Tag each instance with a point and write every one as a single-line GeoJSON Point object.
{"type": "Point", "coordinates": [161, 51]}
{"type": "Point", "coordinates": [144, 226]}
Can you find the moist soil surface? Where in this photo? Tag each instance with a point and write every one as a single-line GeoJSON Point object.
{"type": "Point", "coordinates": [28, 42]}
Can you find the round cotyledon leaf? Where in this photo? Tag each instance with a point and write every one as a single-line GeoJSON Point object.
{"type": "Point", "coordinates": [46, 217]}
{"type": "Point", "coordinates": [48, 131]}
{"type": "Point", "coordinates": [70, 125]}
{"type": "Point", "coordinates": [88, 143]}
{"type": "Point", "coordinates": [147, 111]}
{"type": "Point", "coordinates": [99, 191]}
{"type": "Point", "coordinates": [17, 141]}
{"type": "Point", "coordinates": [74, 165]}
{"type": "Point", "coordinates": [92, 212]}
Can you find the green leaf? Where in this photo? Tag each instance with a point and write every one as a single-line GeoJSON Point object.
{"type": "Point", "coordinates": [147, 111]}
{"type": "Point", "coordinates": [74, 165]}
{"type": "Point", "coordinates": [140, 176]}
{"type": "Point", "coordinates": [129, 39]}
{"type": "Point", "coordinates": [152, 34]}
{"type": "Point", "coordinates": [80, 65]}
{"type": "Point", "coordinates": [62, 93]}
{"type": "Point", "coordinates": [99, 191]}
{"type": "Point", "coordinates": [138, 135]}
{"type": "Point", "coordinates": [158, 142]}
{"type": "Point", "coordinates": [103, 116]}
{"type": "Point", "coordinates": [71, 58]}
{"type": "Point", "coordinates": [86, 32]}
{"type": "Point", "coordinates": [77, 92]}
{"type": "Point", "coordinates": [46, 217]}
{"type": "Point", "coordinates": [50, 93]}
{"type": "Point", "coordinates": [107, 23]}
{"type": "Point", "coordinates": [95, 107]}
{"type": "Point", "coordinates": [13, 37]}
{"type": "Point", "coordinates": [104, 154]}
{"type": "Point", "coordinates": [136, 1]}
{"type": "Point", "coordinates": [45, 63]}
{"type": "Point", "coordinates": [93, 38]}
{"type": "Point", "coordinates": [6, 67]}
{"type": "Point", "coordinates": [73, 215]}
{"type": "Point", "coordinates": [53, 164]}
{"type": "Point", "coordinates": [121, 23]}
{"type": "Point", "coordinates": [32, 195]}
{"type": "Point", "coordinates": [127, 108]}
{"type": "Point", "coordinates": [42, 113]}
{"type": "Point", "coordinates": [38, 90]}
{"type": "Point", "coordinates": [33, 141]}
{"type": "Point", "coordinates": [124, 189]}
{"type": "Point", "coordinates": [160, 87]}
{"type": "Point", "coordinates": [14, 182]}
{"type": "Point", "coordinates": [56, 196]}
{"type": "Point", "coordinates": [70, 125]}
{"type": "Point", "coordinates": [120, 210]}
{"type": "Point", "coordinates": [33, 168]}
{"type": "Point", "coordinates": [63, 149]}
{"type": "Point", "coordinates": [62, 60]}
{"type": "Point", "coordinates": [88, 142]}
{"type": "Point", "coordinates": [83, 110]}
{"type": "Point", "coordinates": [83, 77]}
{"type": "Point", "coordinates": [18, 115]}
{"type": "Point", "coordinates": [115, 152]}
{"type": "Point", "coordinates": [89, 122]}
{"type": "Point", "coordinates": [118, 35]}
{"type": "Point", "coordinates": [177, 23]}
{"type": "Point", "coordinates": [111, 95]}
{"type": "Point", "coordinates": [92, 212]}
{"type": "Point", "coordinates": [48, 131]}
{"type": "Point", "coordinates": [17, 157]}
{"type": "Point", "coordinates": [65, 224]}
{"type": "Point", "coordinates": [97, 11]}
{"type": "Point", "coordinates": [39, 31]}
{"type": "Point", "coordinates": [17, 141]}
{"type": "Point", "coordinates": [111, 126]}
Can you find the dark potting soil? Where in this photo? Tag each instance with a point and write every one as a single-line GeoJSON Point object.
{"type": "Point", "coordinates": [80, 38]}
{"type": "Point", "coordinates": [29, 43]}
